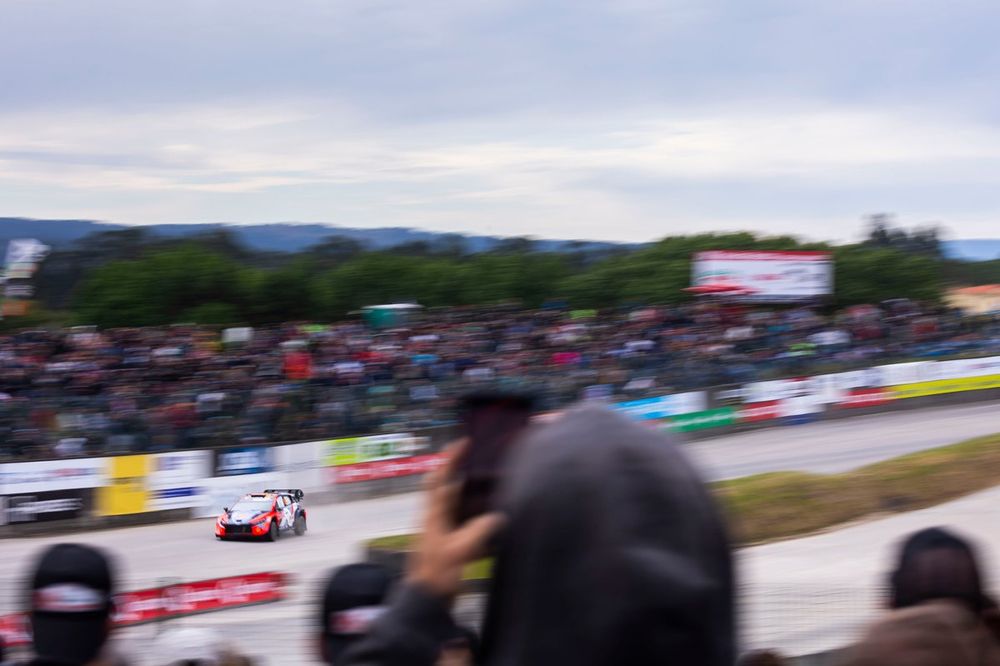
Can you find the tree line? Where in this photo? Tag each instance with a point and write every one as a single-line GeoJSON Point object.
{"type": "Point", "coordinates": [128, 279]}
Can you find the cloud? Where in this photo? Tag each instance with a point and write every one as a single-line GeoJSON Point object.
{"type": "Point", "coordinates": [627, 117]}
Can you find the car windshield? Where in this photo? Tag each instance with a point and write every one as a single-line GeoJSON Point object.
{"type": "Point", "coordinates": [253, 504]}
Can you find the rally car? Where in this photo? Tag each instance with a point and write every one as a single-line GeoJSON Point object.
{"type": "Point", "coordinates": [263, 515]}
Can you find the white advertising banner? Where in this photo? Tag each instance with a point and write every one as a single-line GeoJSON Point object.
{"type": "Point", "coordinates": [802, 405]}
{"type": "Point", "coordinates": [777, 389]}
{"type": "Point", "coordinates": [303, 465]}
{"type": "Point", "coordinates": [968, 367]}
{"type": "Point", "coordinates": [49, 475]}
{"type": "Point", "coordinates": [767, 276]}
{"type": "Point", "coordinates": [219, 493]}
{"type": "Point", "coordinates": [175, 479]}
{"type": "Point", "coordinates": [895, 374]}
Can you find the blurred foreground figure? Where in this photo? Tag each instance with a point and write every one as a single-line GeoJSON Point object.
{"type": "Point", "coordinates": [612, 552]}
{"type": "Point", "coordinates": [354, 597]}
{"type": "Point", "coordinates": [71, 605]}
{"type": "Point", "coordinates": [940, 614]}
{"type": "Point", "coordinates": [459, 650]}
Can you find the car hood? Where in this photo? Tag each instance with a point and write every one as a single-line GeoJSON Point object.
{"type": "Point", "coordinates": [244, 516]}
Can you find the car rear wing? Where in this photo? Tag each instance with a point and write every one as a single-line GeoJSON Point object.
{"type": "Point", "coordinates": [294, 492]}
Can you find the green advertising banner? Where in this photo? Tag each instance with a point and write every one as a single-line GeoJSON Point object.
{"type": "Point", "coordinates": [710, 418]}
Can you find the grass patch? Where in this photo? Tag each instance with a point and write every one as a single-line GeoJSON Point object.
{"type": "Point", "coordinates": [784, 504]}
{"type": "Point", "coordinates": [778, 505]}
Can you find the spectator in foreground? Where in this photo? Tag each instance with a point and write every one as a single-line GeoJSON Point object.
{"type": "Point", "coordinates": [939, 614]}
{"type": "Point", "coordinates": [612, 552]}
{"type": "Point", "coordinates": [355, 595]}
{"type": "Point", "coordinates": [935, 564]}
{"type": "Point", "coordinates": [71, 605]}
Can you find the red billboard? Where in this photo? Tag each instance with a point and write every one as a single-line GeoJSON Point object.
{"type": "Point", "coordinates": [162, 603]}
{"type": "Point", "coordinates": [387, 469]}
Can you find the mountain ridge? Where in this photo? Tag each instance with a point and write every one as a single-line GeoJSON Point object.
{"type": "Point", "coordinates": [294, 237]}
{"type": "Point", "coordinates": [274, 236]}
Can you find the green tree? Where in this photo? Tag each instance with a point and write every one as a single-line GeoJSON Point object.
{"type": "Point", "coordinates": [160, 288]}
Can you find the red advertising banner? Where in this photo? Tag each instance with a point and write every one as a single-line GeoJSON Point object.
{"type": "Point", "coordinates": [866, 398]}
{"type": "Point", "coordinates": [387, 469]}
{"type": "Point", "coordinates": [162, 603]}
{"type": "Point", "coordinates": [14, 630]}
{"type": "Point", "coordinates": [759, 411]}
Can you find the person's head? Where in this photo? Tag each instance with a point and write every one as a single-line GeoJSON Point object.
{"type": "Point", "coordinates": [71, 602]}
{"type": "Point", "coordinates": [613, 551]}
{"type": "Point", "coordinates": [933, 565]}
{"type": "Point", "coordinates": [354, 596]}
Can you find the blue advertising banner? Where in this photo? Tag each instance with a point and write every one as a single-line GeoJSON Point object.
{"type": "Point", "coordinates": [243, 460]}
{"type": "Point", "coordinates": [665, 406]}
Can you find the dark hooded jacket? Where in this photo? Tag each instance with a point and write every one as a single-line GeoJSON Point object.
{"type": "Point", "coordinates": [614, 553]}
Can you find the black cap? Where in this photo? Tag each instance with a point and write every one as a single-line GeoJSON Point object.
{"type": "Point", "coordinates": [71, 603]}
{"type": "Point", "coordinates": [354, 596]}
{"type": "Point", "coordinates": [933, 564]}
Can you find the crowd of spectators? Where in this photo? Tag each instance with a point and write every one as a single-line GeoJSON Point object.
{"type": "Point", "coordinates": [80, 391]}
{"type": "Point", "coordinates": [609, 551]}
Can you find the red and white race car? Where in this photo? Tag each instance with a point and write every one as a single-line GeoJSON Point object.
{"type": "Point", "coordinates": [265, 515]}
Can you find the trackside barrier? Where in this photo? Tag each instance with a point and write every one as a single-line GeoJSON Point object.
{"type": "Point", "coordinates": [91, 493]}
{"type": "Point", "coordinates": [386, 477]}
{"type": "Point", "coordinates": [173, 601]}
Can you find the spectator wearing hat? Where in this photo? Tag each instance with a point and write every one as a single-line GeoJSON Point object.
{"type": "Point", "coordinates": [71, 605]}
{"type": "Point", "coordinates": [608, 551]}
{"type": "Point", "coordinates": [939, 612]}
{"type": "Point", "coordinates": [354, 596]}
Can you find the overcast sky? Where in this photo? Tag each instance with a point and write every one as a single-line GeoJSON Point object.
{"type": "Point", "coordinates": [621, 120]}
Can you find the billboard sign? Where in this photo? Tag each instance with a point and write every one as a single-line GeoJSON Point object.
{"type": "Point", "coordinates": [387, 469]}
{"type": "Point", "coordinates": [161, 603]}
{"type": "Point", "coordinates": [243, 460]}
{"type": "Point", "coordinates": [767, 276]}
{"type": "Point", "coordinates": [46, 506]}
{"type": "Point", "coordinates": [355, 450]}
{"type": "Point", "coordinates": [710, 418]}
{"type": "Point", "coordinates": [49, 475]}
{"type": "Point", "coordinates": [175, 479]}
{"type": "Point", "coordinates": [665, 406]}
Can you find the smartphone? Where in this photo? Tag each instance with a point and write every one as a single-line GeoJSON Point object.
{"type": "Point", "coordinates": [492, 423]}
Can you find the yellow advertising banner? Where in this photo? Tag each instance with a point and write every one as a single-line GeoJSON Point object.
{"type": "Point", "coordinates": [354, 450]}
{"type": "Point", "coordinates": [126, 491]}
{"type": "Point", "coordinates": [941, 386]}
{"type": "Point", "coordinates": [341, 452]}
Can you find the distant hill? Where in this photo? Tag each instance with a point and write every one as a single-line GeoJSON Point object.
{"type": "Point", "coordinates": [983, 249]}
{"type": "Point", "coordinates": [278, 237]}
{"type": "Point", "coordinates": [285, 237]}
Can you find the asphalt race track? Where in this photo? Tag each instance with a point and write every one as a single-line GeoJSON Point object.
{"type": "Point", "coordinates": [283, 632]}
